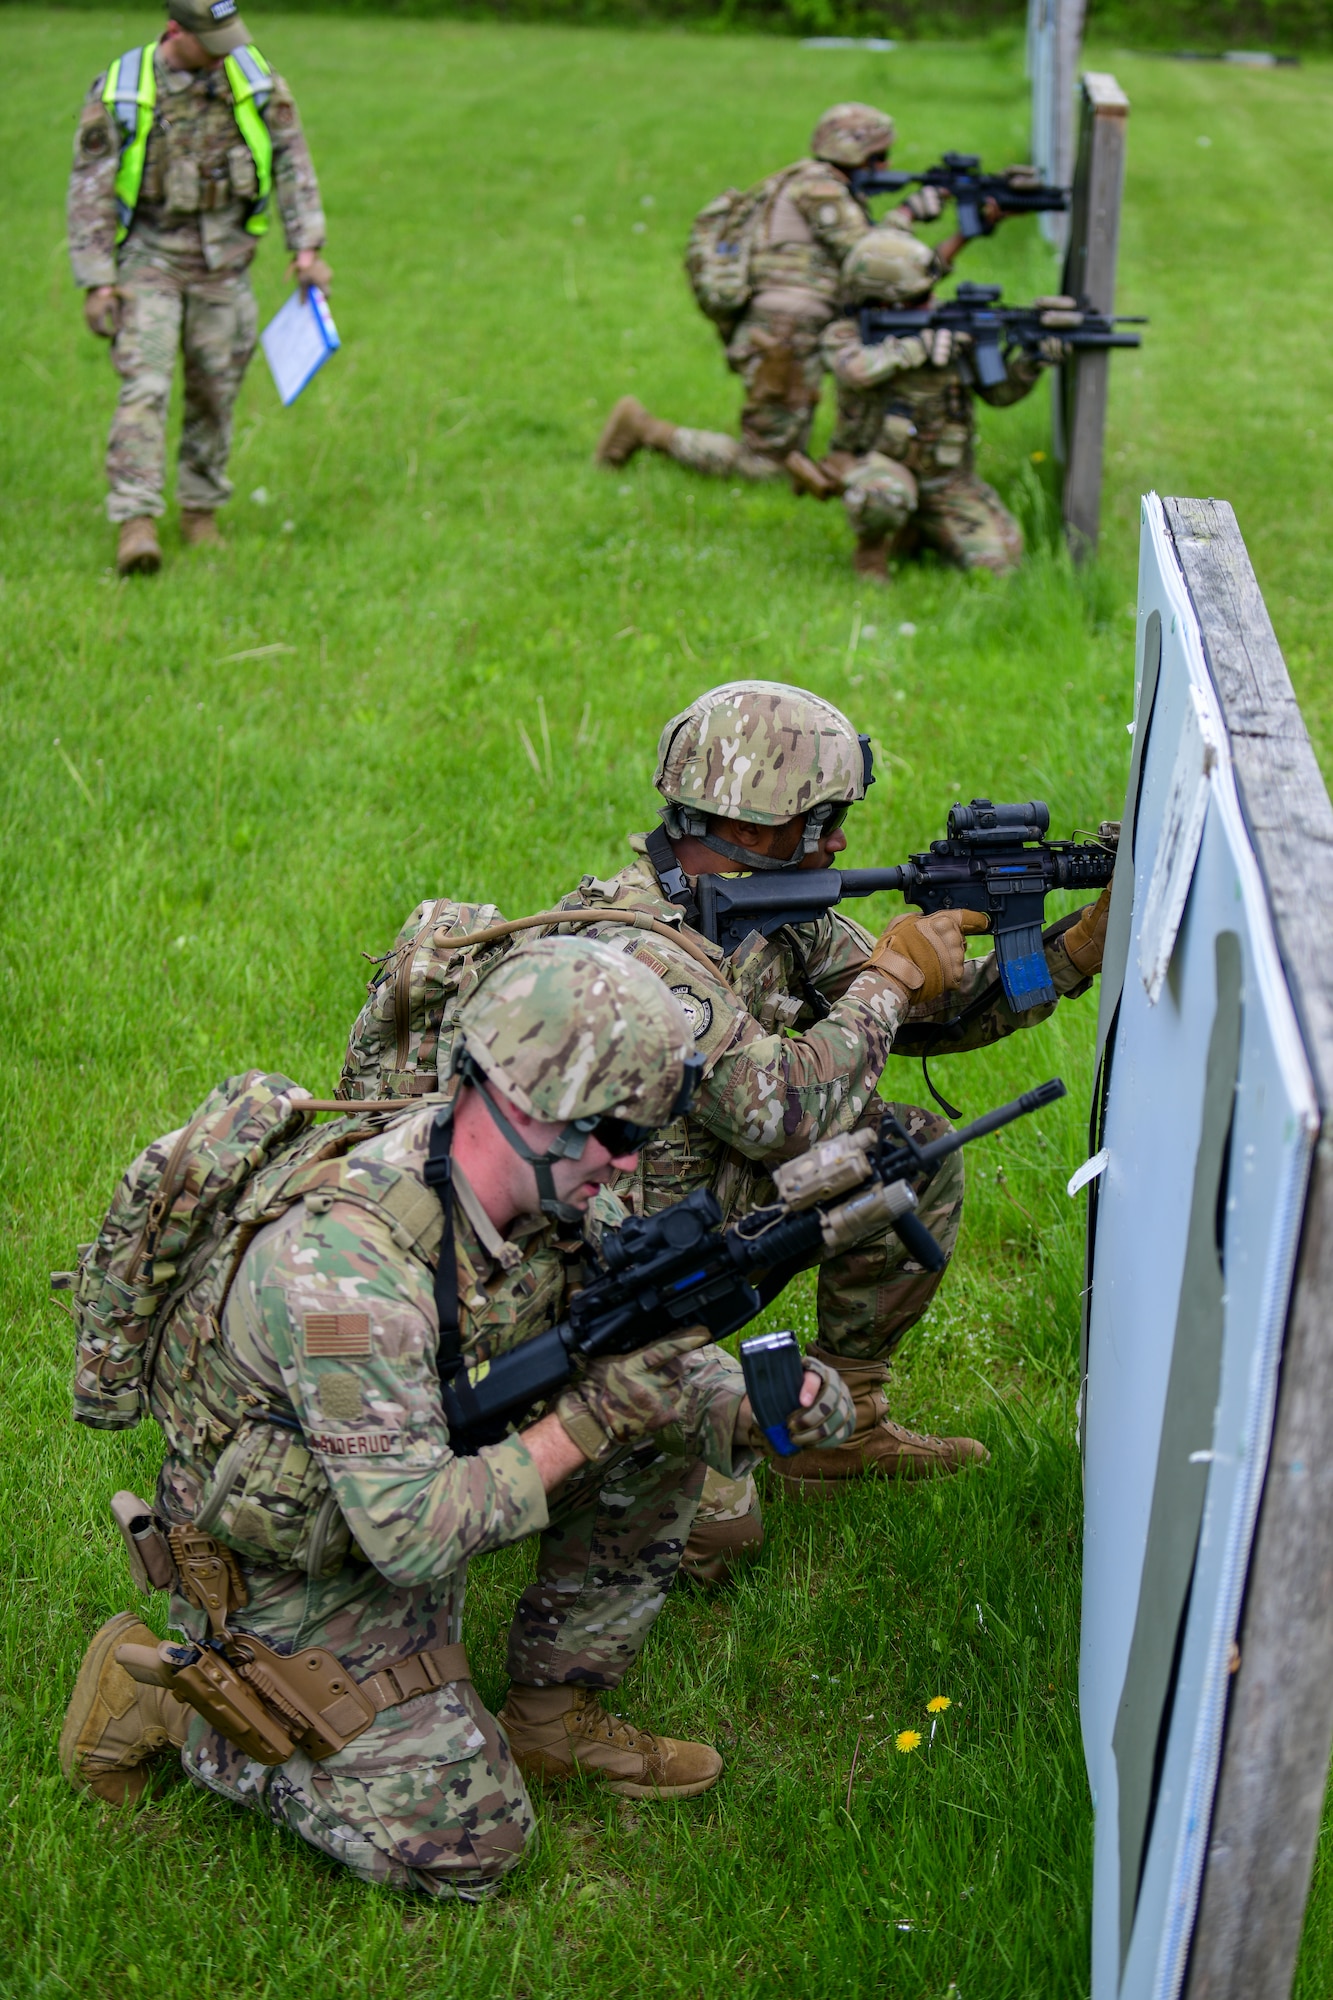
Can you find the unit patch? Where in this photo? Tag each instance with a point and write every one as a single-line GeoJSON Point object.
{"type": "Point", "coordinates": [337, 1333]}
{"type": "Point", "coordinates": [697, 1010]}
{"type": "Point", "coordinates": [340, 1397]}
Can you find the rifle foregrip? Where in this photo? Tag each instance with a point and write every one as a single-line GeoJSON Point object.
{"type": "Point", "coordinates": [914, 1236]}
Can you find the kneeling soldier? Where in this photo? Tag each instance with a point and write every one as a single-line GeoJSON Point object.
{"type": "Point", "coordinates": [311, 1498]}
{"type": "Point", "coordinates": [903, 451]}
{"type": "Point", "coordinates": [794, 1031]}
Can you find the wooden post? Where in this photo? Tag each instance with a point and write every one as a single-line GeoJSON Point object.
{"type": "Point", "coordinates": [1079, 389]}
{"type": "Point", "coordinates": [1279, 1728]}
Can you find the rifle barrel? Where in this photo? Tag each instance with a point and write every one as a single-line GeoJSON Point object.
{"type": "Point", "coordinates": [1031, 1100]}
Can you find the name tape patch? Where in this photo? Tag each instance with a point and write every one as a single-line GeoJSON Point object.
{"type": "Point", "coordinates": [222, 10]}
{"type": "Point", "coordinates": [361, 1444]}
{"type": "Point", "coordinates": [337, 1333]}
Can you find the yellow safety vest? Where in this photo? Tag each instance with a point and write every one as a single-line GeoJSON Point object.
{"type": "Point", "coordinates": [130, 95]}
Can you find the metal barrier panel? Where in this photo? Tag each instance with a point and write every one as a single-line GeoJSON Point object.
{"type": "Point", "coordinates": [1207, 1119]}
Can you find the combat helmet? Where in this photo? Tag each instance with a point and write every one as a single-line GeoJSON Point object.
{"type": "Point", "coordinates": [760, 751]}
{"type": "Point", "coordinates": [578, 1034]}
{"type": "Point", "coordinates": [850, 134]}
{"type": "Point", "coordinates": [889, 265]}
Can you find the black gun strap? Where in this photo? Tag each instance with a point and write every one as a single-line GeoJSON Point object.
{"type": "Point", "coordinates": [438, 1174]}
{"type": "Point", "coordinates": [671, 876]}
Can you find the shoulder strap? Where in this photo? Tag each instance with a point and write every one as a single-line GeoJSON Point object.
{"type": "Point", "coordinates": [671, 875]}
{"type": "Point", "coordinates": [438, 1174]}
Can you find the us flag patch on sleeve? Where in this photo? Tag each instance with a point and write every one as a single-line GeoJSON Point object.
{"type": "Point", "coordinates": [337, 1333]}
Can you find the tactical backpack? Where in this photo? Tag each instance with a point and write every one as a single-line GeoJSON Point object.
{"type": "Point", "coordinates": [171, 1240]}
{"type": "Point", "coordinates": [406, 1026]}
{"type": "Point", "coordinates": [721, 241]}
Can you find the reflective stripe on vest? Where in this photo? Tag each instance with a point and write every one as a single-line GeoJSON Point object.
{"type": "Point", "coordinates": [251, 83]}
{"type": "Point", "coordinates": [130, 95]}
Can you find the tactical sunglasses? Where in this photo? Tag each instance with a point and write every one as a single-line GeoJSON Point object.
{"type": "Point", "coordinates": [622, 1135]}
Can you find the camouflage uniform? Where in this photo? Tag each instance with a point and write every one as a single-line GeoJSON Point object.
{"type": "Point", "coordinates": [354, 1530]}
{"type": "Point", "coordinates": [812, 221]}
{"type": "Point", "coordinates": [776, 1080]}
{"type": "Point", "coordinates": [905, 446]}
{"type": "Point", "coordinates": [181, 273]}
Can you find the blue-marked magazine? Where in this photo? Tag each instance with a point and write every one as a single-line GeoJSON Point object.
{"type": "Point", "coordinates": [298, 340]}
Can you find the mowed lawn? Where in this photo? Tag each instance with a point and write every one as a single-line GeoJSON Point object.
{"type": "Point", "coordinates": [435, 658]}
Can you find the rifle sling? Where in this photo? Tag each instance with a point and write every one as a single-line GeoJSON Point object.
{"type": "Point", "coordinates": [671, 875]}
{"type": "Point", "coordinates": [438, 1174]}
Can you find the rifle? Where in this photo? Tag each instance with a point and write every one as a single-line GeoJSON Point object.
{"type": "Point", "coordinates": [994, 859]}
{"type": "Point", "coordinates": [1017, 191]}
{"type": "Point", "coordinates": [656, 1275]}
{"type": "Point", "coordinates": [973, 310]}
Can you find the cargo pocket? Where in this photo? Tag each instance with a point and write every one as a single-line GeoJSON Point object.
{"type": "Point", "coordinates": [241, 173]}
{"type": "Point", "coordinates": [951, 448]}
{"type": "Point", "coordinates": [268, 1499]}
{"type": "Point", "coordinates": [183, 187]}
{"type": "Point", "coordinates": [432, 1787]}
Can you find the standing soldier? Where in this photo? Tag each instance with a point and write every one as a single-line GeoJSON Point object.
{"type": "Point", "coordinates": [310, 1501]}
{"type": "Point", "coordinates": [794, 1031]}
{"type": "Point", "coordinates": [903, 451]}
{"type": "Point", "coordinates": [181, 149]}
{"type": "Point", "coordinates": [801, 225]}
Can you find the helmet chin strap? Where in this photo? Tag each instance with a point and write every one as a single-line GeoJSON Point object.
{"type": "Point", "coordinates": [568, 1145]}
{"type": "Point", "coordinates": [697, 826]}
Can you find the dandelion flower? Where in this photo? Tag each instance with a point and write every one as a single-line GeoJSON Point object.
{"type": "Point", "coordinates": [1038, 458]}
{"type": "Point", "coordinates": [907, 1739]}
{"type": "Point", "coordinates": [937, 1704]}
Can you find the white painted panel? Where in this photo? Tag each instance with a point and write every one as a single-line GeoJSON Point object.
{"type": "Point", "coordinates": [1195, 879]}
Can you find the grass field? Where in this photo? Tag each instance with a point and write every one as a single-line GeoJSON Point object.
{"type": "Point", "coordinates": [222, 785]}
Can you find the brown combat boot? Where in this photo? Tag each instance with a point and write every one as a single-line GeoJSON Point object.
{"type": "Point", "coordinates": [727, 1529]}
{"type": "Point", "coordinates": [115, 1727]}
{"type": "Point", "coordinates": [555, 1732]}
{"type": "Point", "coordinates": [200, 531]}
{"type": "Point", "coordinates": [628, 428]}
{"type": "Point", "coordinates": [872, 560]}
{"type": "Point", "coordinates": [877, 1447]}
{"type": "Point", "coordinates": [137, 551]}
{"type": "Point", "coordinates": [811, 479]}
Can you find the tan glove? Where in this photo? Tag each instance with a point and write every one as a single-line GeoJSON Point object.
{"type": "Point", "coordinates": [831, 1418]}
{"type": "Point", "coordinates": [924, 204]}
{"type": "Point", "coordinates": [942, 345]}
{"type": "Point", "coordinates": [925, 955]}
{"type": "Point", "coordinates": [1052, 351]}
{"type": "Point", "coordinates": [629, 1396]}
{"type": "Point", "coordinates": [308, 268]}
{"type": "Point", "coordinates": [101, 311]}
{"type": "Point", "coordinates": [1085, 941]}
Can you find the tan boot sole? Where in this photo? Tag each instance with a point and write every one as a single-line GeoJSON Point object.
{"type": "Point", "coordinates": [147, 563]}
{"type": "Point", "coordinates": [623, 1789]}
{"type": "Point", "coordinates": [538, 1771]}
{"type": "Point", "coordinates": [86, 1695]}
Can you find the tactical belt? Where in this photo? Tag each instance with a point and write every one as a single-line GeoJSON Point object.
{"type": "Point", "coordinates": [267, 1704]}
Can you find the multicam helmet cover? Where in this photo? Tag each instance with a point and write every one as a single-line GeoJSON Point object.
{"type": "Point", "coordinates": [850, 134]}
{"type": "Point", "coordinates": [759, 751]}
{"type": "Point", "coordinates": [889, 265]}
{"type": "Point", "coordinates": [570, 1028]}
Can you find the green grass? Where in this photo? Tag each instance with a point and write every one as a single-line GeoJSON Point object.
{"type": "Point", "coordinates": [201, 836]}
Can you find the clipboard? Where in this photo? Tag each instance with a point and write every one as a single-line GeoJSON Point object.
{"type": "Point", "coordinates": [297, 341]}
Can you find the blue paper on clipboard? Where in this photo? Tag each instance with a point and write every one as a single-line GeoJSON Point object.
{"type": "Point", "coordinates": [298, 340]}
